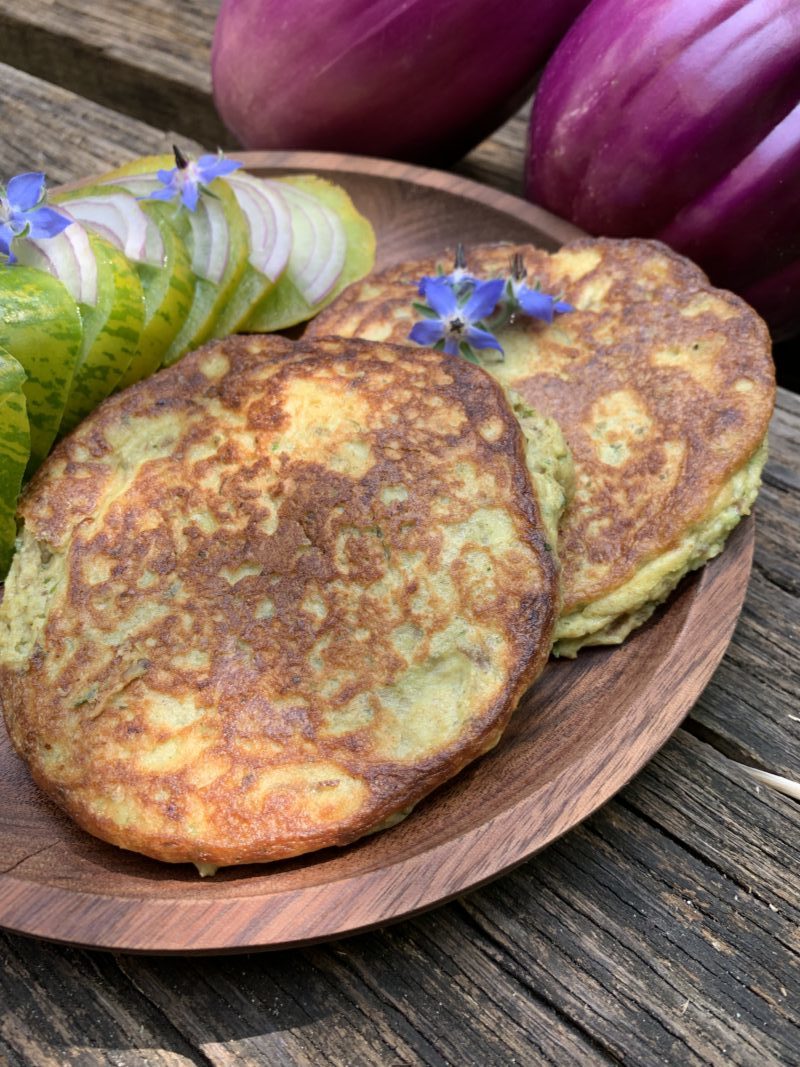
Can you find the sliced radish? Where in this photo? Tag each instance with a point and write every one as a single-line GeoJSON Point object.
{"type": "Point", "coordinates": [118, 217]}
{"type": "Point", "coordinates": [269, 222]}
{"type": "Point", "coordinates": [211, 242]}
{"type": "Point", "coordinates": [68, 256]}
{"type": "Point", "coordinates": [319, 246]}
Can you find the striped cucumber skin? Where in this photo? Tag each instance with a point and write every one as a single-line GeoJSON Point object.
{"type": "Point", "coordinates": [168, 296]}
{"type": "Point", "coordinates": [41, 327]}
{"type": "Point", "coordinates": [251, 291]}
{"type": "Point", "coordinates": [15, 450]}
{"type": "Point", "coordinates": [284, 306]}
{"type": "Point", "coordinates": [211, 299]}
{"type": "Point", "coordinates": [111, 332]}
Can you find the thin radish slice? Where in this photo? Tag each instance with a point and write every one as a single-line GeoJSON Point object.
{"type": "Point", "coordinates": [269, 222]}
{"type": "Point", "coordinates": [118, 217]}
{"type": "Point", "coordinates": [68, 256]}
{"type": "Point", "coordinates": [320, 243]}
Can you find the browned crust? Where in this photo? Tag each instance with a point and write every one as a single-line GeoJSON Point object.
{"type": "Point", "coordinates": [257, 668]}
{"type": "Point", "coordinates": [630, 318]}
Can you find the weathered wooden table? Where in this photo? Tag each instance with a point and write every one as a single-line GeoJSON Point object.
{"type": "Point", "coordinates": [662, 931]}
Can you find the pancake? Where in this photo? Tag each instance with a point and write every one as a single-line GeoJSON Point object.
{"type": "Point", "coordinates": [268, 599]}
{"type": "Point", "coordinates": [663, 387]}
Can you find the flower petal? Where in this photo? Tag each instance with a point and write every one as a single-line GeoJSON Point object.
{"type": "Point", "coordinates": [160, 194]}
{"type": "Point", "coordinates": [440, 296]}
{"type": "Point", "coordinates": [561, 307]}
{"type": "Point", "coordinates": [25, 191]}
{"type": "Point", "coordinates": [167, 177]}
{"type": "Point", "coordinates": [6, 237]}
{"type": "Point", "coordinates": [536, 304]}
{"type": "Point", "coordinates": [427, 332]}
{"type": "Point", "coordinates": [211, 167]}
{"type": "Point", "coordinates": [478, 338]}
{"type": "Point", "coordinates": [484, 299]}
{"type": "Point", "coordinates": [190, 194]}
{"type": "Point", "coordinates": [45, 222]}
{"type": "Point", "coordinates": [451, 346]}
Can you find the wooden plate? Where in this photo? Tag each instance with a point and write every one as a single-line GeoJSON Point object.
{"type": "Point", "coordinates": [585, 729]}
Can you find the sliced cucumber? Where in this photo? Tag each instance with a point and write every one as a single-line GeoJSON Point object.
{"type": "Point", "coordinates": [269, 222]}
{"type": "Point", "coordinates": [41, 327]}
{"type": "Point", "coordinates": [216, 235]}
{"type": "Point", "coordinates": [15, 451]}
{"type": "Point", "coordinates": [111, 333]}
{"type": "Point", "coordinates": [210, 297]}
{"type": "Point", "coordinates": [168, 297]}
{"type": "Point", "coordinates": [143, 231]}
{"type": "Point", "coordinates": [286, 304]}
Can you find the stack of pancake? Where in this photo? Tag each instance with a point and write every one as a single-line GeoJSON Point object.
{"type": "Point", "coordinates": [267, 600]}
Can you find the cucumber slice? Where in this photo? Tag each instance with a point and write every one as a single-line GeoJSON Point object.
{"type": "Point", "coordinates": [142, 230]}
{"type": "Point", "coordinates": [168, 297]}
{"type": "Point", "coordinates": [41, 326]}
{"type": "Point", "coordinates": [216, 235]}
{"type": "Point", "coordinates": [15, 451]}
{"type": "Point", "coordinates": [111, 332]}
{"type": "Point", "coordinates": [211, 297]}
{"type": "Point", "coordinates": [286, 305]}
{"type": "Point", "coordinates": [269, 223]}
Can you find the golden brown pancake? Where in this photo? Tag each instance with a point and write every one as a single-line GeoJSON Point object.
{"type": "Point", "coordinates": [269, 598]}
{"type": "Point", "coordinates": [663, 387]}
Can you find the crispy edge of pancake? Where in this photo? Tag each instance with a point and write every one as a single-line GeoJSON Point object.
{"type": "Point", "coordinates": [613, 615]}
{"type": "Point", "coordinates": [609, 620]}
{"type": "Point", "coordinates": [38, 577]}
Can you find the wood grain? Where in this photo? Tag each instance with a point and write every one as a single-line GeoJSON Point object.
{"type": "Point", "coordinates": [149, 59]}
{"type": "Point", "coordinates": [639, 938]}
{"type": "Point", "coordinates": [44, 127]}
{"type": "Point", "coordinates": [585, 730]}
{"type": "Point", "coordinates": [523, 974]}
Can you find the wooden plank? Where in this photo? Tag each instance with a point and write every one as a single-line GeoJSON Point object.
{"type": "Point", "coordinates": [751, 711]}
{"type": "Point", "coordinates": [44, 127]}
{"type": "Point", "coordinates": [662, 931]}
{"type": "Point", "coordinates": [664, 928]}
{"type": "Point", "coordinates": [500, 159]}
{"type": "Point", "coordinates": [149, 60]}
{"type": "Point", "coordinates": [61, 1006]}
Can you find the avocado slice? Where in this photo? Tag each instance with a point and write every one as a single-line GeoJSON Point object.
{"type": "Point", "coordinates": [284, 305]}
{"type": "Point", "coordinates": [15, 451]}
{"type": "Point", "coordinates": [111, 333]}
{"type": "Point", "coordinates": [41, 327]}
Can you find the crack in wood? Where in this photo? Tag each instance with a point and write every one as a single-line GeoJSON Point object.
{"type": "Point", "coordinates": [501, 958]}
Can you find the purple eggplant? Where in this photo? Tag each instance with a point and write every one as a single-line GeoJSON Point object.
{"type": "Point", "coordinates": [681, 121]}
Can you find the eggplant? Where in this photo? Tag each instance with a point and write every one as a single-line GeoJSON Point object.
{"type": "Point", "coordinates": [422, 80]}
{"type": "Point", "coordinates": [682, 122]}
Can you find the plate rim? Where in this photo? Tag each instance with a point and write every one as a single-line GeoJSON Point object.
{"type": "Point", "coordinates": [129, 923]}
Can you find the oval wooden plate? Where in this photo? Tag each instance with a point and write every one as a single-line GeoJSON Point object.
{"type": "Point", "coordinates": [583, 731]}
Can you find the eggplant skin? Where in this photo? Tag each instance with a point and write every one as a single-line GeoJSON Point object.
{"type": "Point", "coordinates": [682, 122]}
{"type": "Point", "coordinates": [663, 387]}
{"type": "Point", "coordinates": [422, 80]}
{"type": "Point", "coordinates": [269, 598]}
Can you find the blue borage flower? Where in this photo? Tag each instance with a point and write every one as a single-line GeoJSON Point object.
{"type": "Point", "coordinates": [189, 176]}
{"type": "Point", "coordinates": [23, 213]}
{"type": "Point", "coordinates": [531, 301]}
{"type": "Point", "coordinates": [461, 312]}
{"type": "Point", "coordinates": [459, 279]}
{"type": "Point", "coordinates": [453, 322]}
